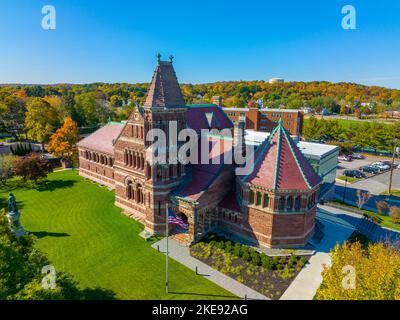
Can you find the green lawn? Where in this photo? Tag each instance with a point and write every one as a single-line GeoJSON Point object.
{"type": "Point", "coordinates": [395, 192]}
{"type": "Point", "coordinates": [349, 179]}
{"type": "Point", "coordinates": [84, 234]}
{"type": "Point", "coordinates": [384, 220]}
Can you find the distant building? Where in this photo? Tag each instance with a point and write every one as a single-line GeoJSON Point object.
{"type": "Point", "coordinates": [276, 80]}
{"type": "Point", "coordinates": [266, 120]}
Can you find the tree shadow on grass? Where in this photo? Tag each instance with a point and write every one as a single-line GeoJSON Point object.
{"type": "Point", "coordinates": [98, 293]}
{"type": "Point", "coordinates": [43, 234]}
{"type": "Point", "coordinates": [205, 294]}
{"type": "Point", "coordinates": [51, 185]}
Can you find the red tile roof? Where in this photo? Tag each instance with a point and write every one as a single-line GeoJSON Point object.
{"type": "Point", "coordinates": [230, 202]}
{"type": "Point", "coordinates": [164, 90]}
{"type": "Point", "coordinates": [198, 116]}
{"type": "Point", "coordinates": [201, 176]}
{"type": "Point", "coordinates": [102, 139]}
{"type": "Point", "coordinates": [280, 165]}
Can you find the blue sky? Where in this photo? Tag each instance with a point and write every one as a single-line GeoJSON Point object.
{"type": "Point", "coordinates": [116, 41]}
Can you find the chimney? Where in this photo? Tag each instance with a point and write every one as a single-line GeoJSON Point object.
{"type": "Point", "coordinates": [217, 100]}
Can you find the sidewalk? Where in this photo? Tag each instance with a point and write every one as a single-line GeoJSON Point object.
{"type": "Point", "coordinates": [182, 255]}
{"type": "Point", "coordinates": [306, 284]}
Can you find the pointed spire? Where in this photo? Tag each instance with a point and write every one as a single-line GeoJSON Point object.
{"type": "Point", "coordinates": [164, 90]}
{"type": "Point", "coordinates": [280, 165]}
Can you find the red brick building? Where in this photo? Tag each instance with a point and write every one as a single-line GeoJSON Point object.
{"type": "Point", "coordinates": [266, 120]}
{"type": "Point", "coordinates": [272, 206]}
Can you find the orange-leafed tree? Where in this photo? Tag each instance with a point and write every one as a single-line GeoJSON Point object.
{"type": "Point", "coordinates": [63, 142]}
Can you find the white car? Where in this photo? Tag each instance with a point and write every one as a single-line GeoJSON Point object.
{"type": "Point", "coordinates": [380, 165]}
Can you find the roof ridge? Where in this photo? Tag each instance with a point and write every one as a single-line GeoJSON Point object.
{"type": "Point", "coordinates": [278, 156]}
{"type": "Point", "coordinates": [296, 159]}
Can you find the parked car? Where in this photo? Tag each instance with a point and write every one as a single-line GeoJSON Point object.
{"type": "Point", "coordinates": [354, 174]}
{"type": "Point", "coordinates": [357, 156]}
{"type": "Point", "coordinates": [381, 166]}
{"type": "Point", "coordinates": [370, 169]}
{"type": "Point", "coordinates": [343, 157]}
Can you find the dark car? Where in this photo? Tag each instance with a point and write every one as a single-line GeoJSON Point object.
{"type": "Point", "coordinates": [369, 169]}
{"type": "Point", "coordinates": [357, 156]}
{"type": "Point", "coordinates": [354, 174]}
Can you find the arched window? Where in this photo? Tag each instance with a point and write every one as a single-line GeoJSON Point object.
{"type": "Point", "coordinates": [297, 203]}
{"type": "Point", "coordinates": [251, 197]}
{"type": "Point", "coordinates": [289, 203]}
{"type": "Point", "coordinates": [259, 198]}
{"type": "Point", "coordinates": [281, 204]}
{"type": "Point", "coordinates": [129, 191]}
{"type": "Point", "coordinates": [266, 201]}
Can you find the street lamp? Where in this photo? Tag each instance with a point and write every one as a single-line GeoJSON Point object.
{"type": "Point", "coordinates": [345, 189]}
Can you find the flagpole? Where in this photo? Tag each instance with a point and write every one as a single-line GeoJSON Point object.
{"type": "Point", "coordinates": [167, 234]}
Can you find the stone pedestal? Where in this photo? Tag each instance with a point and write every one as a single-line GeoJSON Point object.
{"type": "Point", "coordinates": [15, 224]}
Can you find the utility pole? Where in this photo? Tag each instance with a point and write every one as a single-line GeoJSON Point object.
{"type": "Point", "coordinates": [391, 171]}
{"type": "Point", "coordinates": [345, 189]}
{"type": "Point", "coordinates": [167, 234]}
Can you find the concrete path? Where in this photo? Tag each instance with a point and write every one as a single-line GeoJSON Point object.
{"type": "Point", "coordinates": [337, 230]}
{"type": "Point", "coordinates": [182, 255]}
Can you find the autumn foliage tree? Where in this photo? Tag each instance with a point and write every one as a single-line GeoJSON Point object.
{"type": "Point", "coordinates": [41, 120]}
{"type": "Point", "coordinates": [362, 274]}
{"type": "Point", "coordinates": [32, 167]}
{"type": "Point", "coordinates": [63, 143]}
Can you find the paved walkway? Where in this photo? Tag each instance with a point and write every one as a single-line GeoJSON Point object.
{"type": "Point", "coordinates": [182, 255]}
{"type": "Point", "coordinates": [337, 230]}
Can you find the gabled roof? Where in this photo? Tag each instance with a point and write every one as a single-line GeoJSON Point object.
{"type": "Point", "coordinates": [207, 116]}
{"type": "Point", "coordinates": [164, 90]}
{"type": "Point", "coordinates": [280, 165]}
{"type": "Point", "coordinates": [102, 140]}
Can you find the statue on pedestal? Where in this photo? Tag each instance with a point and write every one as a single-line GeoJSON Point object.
{"type": "Point", "coordinates": [14, 215]}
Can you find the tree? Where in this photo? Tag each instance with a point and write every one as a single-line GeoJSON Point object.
{"type": "Point", "coordinates": [361, 274]}
{"type": "Point", "coordinates": [41, 120]}
{"type": "Point", "coordinates": [395, 214]}
{"type": "Point", "coordinates": [63, 143]}
{"type": "Point", "coordinates": [362, 198]}
{"type": "Point", "coordinates": [12, 115]}
{"type": "Point", "coordinates": [32, 167]}
{"type": "Point", "coordinates": [6, 167]}
{"type": "Point", "coordinates": [382, 206]}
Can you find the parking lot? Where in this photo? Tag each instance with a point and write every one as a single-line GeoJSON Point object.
{"type": "Point", "coordinates": [373, 183]}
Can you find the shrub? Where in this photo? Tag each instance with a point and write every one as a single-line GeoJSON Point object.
{"type": "Point", "coordinates": [213, 243]}
{"type": "Point", "coordinates": [244, 250]}
{"type": "Point", "coordinates": [267, 262]}
{"type": "Point", "coordinates": [246, 256]}
{"type": "Point", "coordinates": [255, 259]}
{"type": "Point", "coordinates": [236, 251]}
{"type": "Point", "coordinates": [395, 214]}
{"type": "Point", "coordinates": [221, 244]}
{"type": "Point", "coordinates": [301, 262]}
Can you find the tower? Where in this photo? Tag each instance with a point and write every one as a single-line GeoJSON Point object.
{"type": "Point", "coordinates": [280, 194]}
{"type": "Point", "coordinates": [142, 185]}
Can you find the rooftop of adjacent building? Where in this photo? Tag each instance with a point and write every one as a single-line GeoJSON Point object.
{"type": "Point", "coordinates": [256, 138]}
{"type": "Point", "coordinates": [262, 110]}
